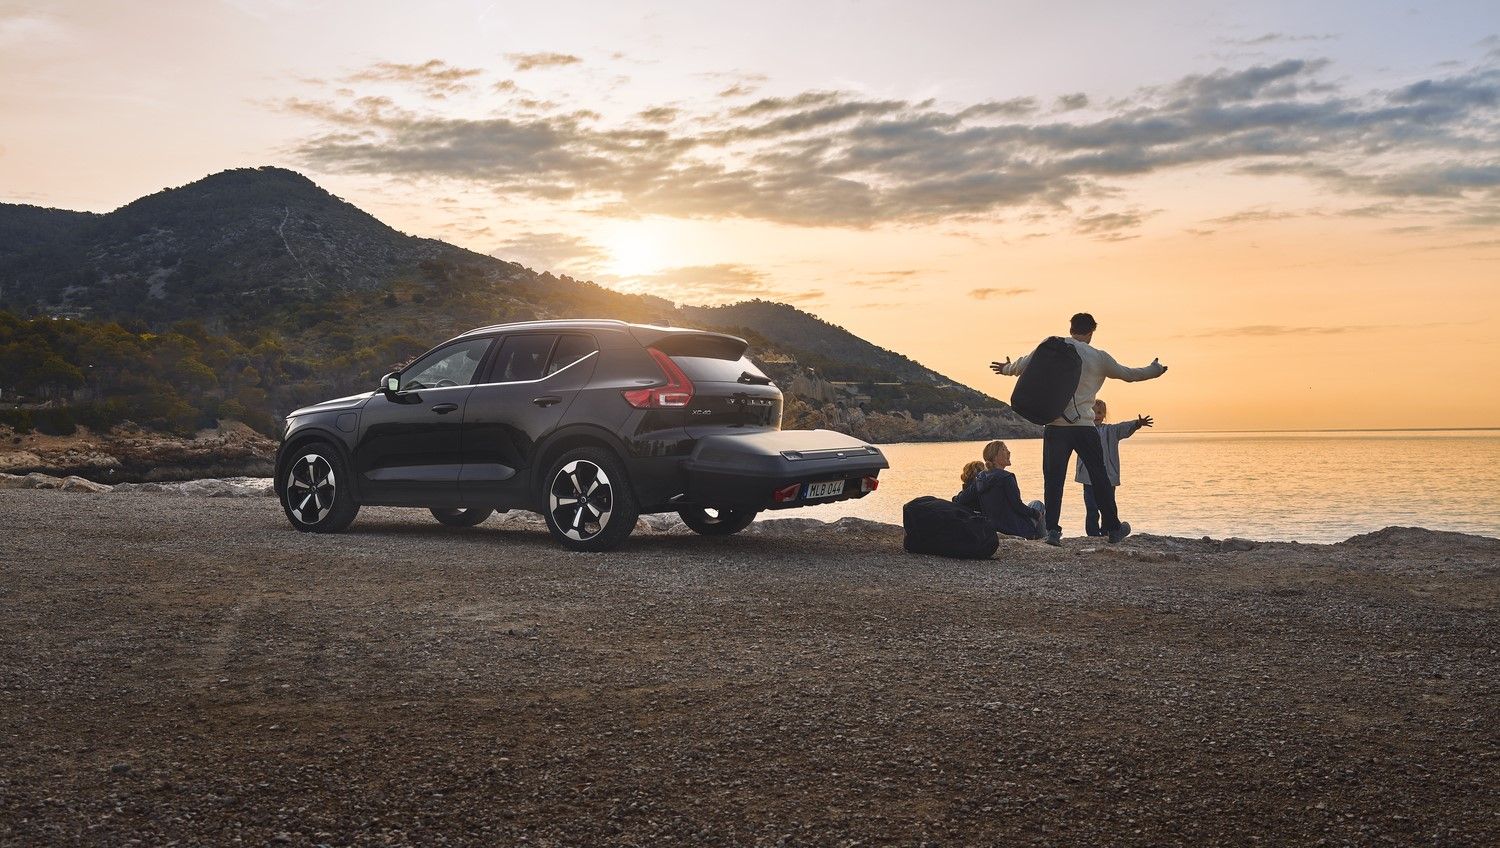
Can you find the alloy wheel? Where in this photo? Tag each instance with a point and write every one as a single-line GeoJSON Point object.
{"type": "Point", "coordinates": [581, 499]}
{"type": "Point", "coordinates": [310, 488]}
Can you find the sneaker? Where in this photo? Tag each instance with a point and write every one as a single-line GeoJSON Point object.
{"type": "Point", "coordinates": [1120, 533]}
{"type": "Point", "coordinates": [1054, 539]}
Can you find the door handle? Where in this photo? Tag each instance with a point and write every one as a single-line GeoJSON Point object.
{"type": "Point", "coordinates": [546, 400]}
{"type": "Point", "coordinates": [444, 408]}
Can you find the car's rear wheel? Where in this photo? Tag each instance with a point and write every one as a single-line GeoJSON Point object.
{"type": "Point", "coordinates": [462, 517]}
{"type": "Point", "coordinates": [710, 521]}
{"type": "Point", "coordinates": [587, 500]}
{"type": "Point", "coordinates": [315, 491]}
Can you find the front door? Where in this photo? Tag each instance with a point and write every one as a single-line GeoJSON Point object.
{"type": "Point", "coordinates": [532, 381]}
{"type": "Point", "coordinates": [409, 451]}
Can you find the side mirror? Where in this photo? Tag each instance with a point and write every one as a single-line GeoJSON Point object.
{"type": "Point", "coordinates": [391, 383]}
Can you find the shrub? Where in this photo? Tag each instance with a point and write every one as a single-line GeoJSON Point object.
{"type": "Point", "coordinates": [55, 421]}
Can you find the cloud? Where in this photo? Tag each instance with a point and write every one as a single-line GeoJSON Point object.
{"type": "Point", "coordinates": [1252, 216]}
{"type": "Point", "coordinates": [31, 30]}
{"type": "Point", "coordinates": [551, 251]}
{"type": "Point", "coordinates": [835, 158]}
{"type": "Point", "coordinates": [435, 78]}
{"type": "Point", "coordinates": [1277, 38]}
{"type": "Point", "coordinates": [530, 61]}
{"type": "Point", "coordinates": [709, 285]}
{"type": "Point", "coordinates": [993, 293]}
{"type": "Point", "coordinates": [738, 90]}
{"type": "Point", "coordinates": [658, 115]}
{"type": "Point", "coordinates": [1072, 102]}
{"type": "Point", "coordinates": [1110, 226]}
{"type": "Point", "coordinates": [1285, 330]}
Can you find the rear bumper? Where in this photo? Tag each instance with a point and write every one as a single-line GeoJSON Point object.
{"type": "Point", "coordinates": [748, 471]}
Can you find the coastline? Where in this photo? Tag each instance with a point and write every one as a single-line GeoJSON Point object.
{"type": "Point", "coordinates": [248, 486]}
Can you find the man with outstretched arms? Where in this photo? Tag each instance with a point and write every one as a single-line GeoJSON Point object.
{"type": "Point", "coordinates": [1074, 430]}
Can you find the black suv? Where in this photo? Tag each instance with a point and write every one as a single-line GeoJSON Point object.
{"type": "Point", "coordinates": [590, 423]}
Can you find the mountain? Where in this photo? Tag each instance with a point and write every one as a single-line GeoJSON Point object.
{"type": "Point", "coordinates": [253, 290]}
{"type": "Point", "coordinates": [251, 235]}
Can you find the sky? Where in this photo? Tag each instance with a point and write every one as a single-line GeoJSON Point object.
{"type": "Point", "coordinates": [1295, 206]}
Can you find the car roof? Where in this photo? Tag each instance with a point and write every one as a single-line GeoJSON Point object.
{"type": "Point", "coordinates": [554, 324]}
{"type": "Point", "coordinates": [644, 333]}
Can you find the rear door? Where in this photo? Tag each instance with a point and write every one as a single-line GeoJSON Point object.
{"type": "Point", "coordinates": [729, 392]}
{"type": "Point", "coordinates": [533, 379]}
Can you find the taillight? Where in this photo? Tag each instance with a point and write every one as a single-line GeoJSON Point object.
{"type": "Point", "coordinates": [677, 393]}
{"type": "Point", "coordinates": [869, 484]}
{"type": "Point", "coordinates": [786, 493]}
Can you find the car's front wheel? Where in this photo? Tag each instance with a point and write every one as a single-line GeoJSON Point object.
{"type": "Point", "coordinates": [461, 517]}
{"type": "Point", "coordinates": [709, 521]}
{"type": "Point", "coordinates": [587, 500]}
{"type": "Point", "coordinates": [315, 491]}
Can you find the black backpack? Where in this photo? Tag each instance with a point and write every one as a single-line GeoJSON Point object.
{"type": "Point", "coordinates": [936, 526]}
{"type": "Point", "coordinates": [1046, 387]}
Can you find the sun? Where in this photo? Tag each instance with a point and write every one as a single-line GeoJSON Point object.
{"type": "Point", "coordinates": [635, 248]}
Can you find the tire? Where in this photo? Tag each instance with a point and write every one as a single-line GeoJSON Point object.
{"type": "Point", "coordinates": [709, 521]}
{"type": "Point", "coordinates": [315, 491]}
{"type": "Point", "coordinates": [604, 515]}
{"type": "Point", "coordinates": [462, 517]}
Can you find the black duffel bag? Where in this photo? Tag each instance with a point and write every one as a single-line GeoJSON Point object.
{"type": "Point", "coordinates": [937, 526]}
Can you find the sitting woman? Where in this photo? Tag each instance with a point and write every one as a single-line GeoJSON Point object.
{"type": "Point", "coordinates": [996, 493]}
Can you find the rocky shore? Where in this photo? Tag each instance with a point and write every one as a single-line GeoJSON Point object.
{"type": "Point", "coordinates": [131, 454]}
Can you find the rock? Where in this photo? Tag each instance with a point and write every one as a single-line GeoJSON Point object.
{"type": "Point", "coordinates": [229, 487]}
{"type": "Point", "coordinates": [35, 480]}
{"type": "Point", "coordinates": [662, 522]}
{"type": "Point", "coordinates": [850, 524]}
{"type": "Point", "coordinates": [79, 484]}
{"type": "Point", "coordinates": [785, 526]}
{"type": "Point", "coordinates": [12, 481]}
{"type": "Point", "coordinates": [1237, 544]}
{"type": "Point", "coordinates": [20, 460]}
{"type": "Point", "coordinates": [1136, 554]}
{"type": "Point", "coordinates": [151, 488]}
{"type": "Point", "coordinates": [120, 768]}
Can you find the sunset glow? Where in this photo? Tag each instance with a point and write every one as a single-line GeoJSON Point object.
{"type": "Point", "coordinates": [1297, 209]}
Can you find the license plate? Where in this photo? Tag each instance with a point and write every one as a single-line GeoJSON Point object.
{"type": "Point", "coordinates": [829, 489]}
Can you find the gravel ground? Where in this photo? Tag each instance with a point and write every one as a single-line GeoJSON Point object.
{"type": "Point", "coordinates": [178, 670]}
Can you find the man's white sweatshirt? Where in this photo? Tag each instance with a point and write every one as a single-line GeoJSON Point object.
{"type": "Point", "coordinates": [1097, 366]}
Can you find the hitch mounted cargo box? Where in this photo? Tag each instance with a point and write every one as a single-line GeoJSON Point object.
{"type": "Point", "coordinates": [759, 470]}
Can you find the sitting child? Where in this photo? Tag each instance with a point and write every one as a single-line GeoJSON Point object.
{"type": "Point", "coordinates": [995, 493]}
{"type": "Point", "coordinates": [971, 470]}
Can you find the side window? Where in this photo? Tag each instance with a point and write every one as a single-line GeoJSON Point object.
{"type": "Point", "coordinates": [521, 357]}
{"type": "Point", "coordinates": [453, 365]}
{"type": "Point", "coordinates": [569, 350]}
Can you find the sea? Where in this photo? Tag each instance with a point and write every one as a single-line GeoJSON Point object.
{"type": "Point", "coordinates": [1311, 486]}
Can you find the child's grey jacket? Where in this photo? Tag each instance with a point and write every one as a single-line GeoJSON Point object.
{"type": "Point", "coordinates": [1109, 438]}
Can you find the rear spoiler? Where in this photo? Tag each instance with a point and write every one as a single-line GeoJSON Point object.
{"type": "Point", "coordinates": [677, 341]}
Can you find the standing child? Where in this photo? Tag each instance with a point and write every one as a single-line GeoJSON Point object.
{"type": "Point", "coordinates": [1109, 439]}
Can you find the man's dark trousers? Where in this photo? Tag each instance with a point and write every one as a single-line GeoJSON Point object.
{"type": "Point", "coordinates": [1058, 445]}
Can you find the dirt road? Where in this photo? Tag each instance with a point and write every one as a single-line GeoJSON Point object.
{"type": "Point", "coordinates": [192, 670]}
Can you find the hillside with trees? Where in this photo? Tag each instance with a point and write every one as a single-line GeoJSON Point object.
{"type": "Point", "coordinates": [251, 292]}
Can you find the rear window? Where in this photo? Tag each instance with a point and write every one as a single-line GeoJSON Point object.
{"type": "Point", "coordinates": [569, 350]}
{"type": "Point", "coordinates": [706, 369]}
{"type": "Point", "coordinates": [521, 358]}
{"type": "Point", "coordinates": [708, 359]}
